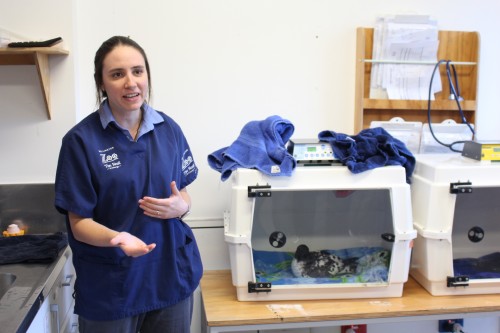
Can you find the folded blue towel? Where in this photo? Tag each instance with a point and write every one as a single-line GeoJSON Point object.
{"type": "Point", "coordinates": [261, 146]}
{"type": "Point", "coordinates": [32, 248]}
{"type": "Point", "coordinates": [371, 148]}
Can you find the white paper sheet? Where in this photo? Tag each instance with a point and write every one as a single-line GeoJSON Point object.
{"type": "Point", "coordinates": [398, 41]}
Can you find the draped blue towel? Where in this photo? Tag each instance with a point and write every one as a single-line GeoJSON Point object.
{"type": "Point", "coordinates": [261, 146]}
{"type": "Point", "coordinates": [371, 148]}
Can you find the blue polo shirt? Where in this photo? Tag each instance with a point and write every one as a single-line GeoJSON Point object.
{"type": "Point", "coordinates": [102, 173]}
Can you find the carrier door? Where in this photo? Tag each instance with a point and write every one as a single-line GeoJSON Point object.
{"type": "Point", "coordinates": [338, 236]}
{"type": "Point", "coordinates": [476, 234]}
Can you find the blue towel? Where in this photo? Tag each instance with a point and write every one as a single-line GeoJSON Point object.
{"type": "Point", "coordinates": [32, 248]}
{"type": "Point", "coordinates": [485, 267]}
{"type": "Point", "coordinates": [275, 266]}
{"type": "Point", "coordinates": [261, 146]}
{"type": "Point", "coordinates": [371, 148]}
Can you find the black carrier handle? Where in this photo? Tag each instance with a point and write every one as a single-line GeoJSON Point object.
{"type": "Point", "coordinates": [261, 191]}
{"type": "Point", "coordinates": [259, 287]}
{"type": "Point", "coordinates": [460, 187]}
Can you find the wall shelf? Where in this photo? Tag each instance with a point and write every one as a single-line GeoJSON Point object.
{"type": "Point", "coordinates": [37, 56]}
{"type": "Point", "coordinates": [459, 46]}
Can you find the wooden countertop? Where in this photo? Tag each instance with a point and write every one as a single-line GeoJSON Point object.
{"type": "Point", "coordinates": [223, 309]}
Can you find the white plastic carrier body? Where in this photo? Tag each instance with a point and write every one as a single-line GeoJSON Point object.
{"type": "Point", "coordinates": [456, 212]}
{"type": "Point", "coordinates": [325, 208]}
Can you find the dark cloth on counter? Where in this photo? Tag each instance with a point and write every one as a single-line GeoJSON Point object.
{"type": "Point", "coordinates": [485, 267]}
{"type": "Point", "coordinates": [32, 248]}
{"type": "Point", "coordinates": [261, 146]}
{"type": "Point", "coordinates": [371, 148]}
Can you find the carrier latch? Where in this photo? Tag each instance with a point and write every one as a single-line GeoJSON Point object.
{"type": "Point", "coordinates": [259, 287]}
{"type": "Point", "coordinates": [261, 191]}
{"type": "Point", "coordinates": [457, 281]}
{"type": "Point", "coordinates": [388, 237]}
{"type": "Point", "coordinates": [460, 187]}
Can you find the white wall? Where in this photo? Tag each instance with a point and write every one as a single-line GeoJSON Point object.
{"type": "Point", "coordinates": [29, 142]}
{"type": "Point", "coordinates": [215, 66]}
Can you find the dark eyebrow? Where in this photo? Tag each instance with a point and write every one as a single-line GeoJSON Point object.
{"type": "Point", "coordinates": [119, 69]}
{"type": "Point", "coordinates": [139, 67]}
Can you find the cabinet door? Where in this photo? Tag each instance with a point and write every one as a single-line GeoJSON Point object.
{"type": "Point", "coordinates": [71, 323]}
{"type": "Point", "coordinates": [62, 296]}
{"type": "Point", "coordinates": [41, 322]}
{"type": "Point", "coordinates": [58, 305]}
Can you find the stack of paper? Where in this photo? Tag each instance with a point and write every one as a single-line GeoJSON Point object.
{"type": "Point", "coordinates": [404, 56]}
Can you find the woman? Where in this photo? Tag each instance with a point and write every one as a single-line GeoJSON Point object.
{"type": "Point", "coordinates": [121, 181]}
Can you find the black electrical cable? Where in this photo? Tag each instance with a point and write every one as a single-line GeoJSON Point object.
{"type": "Point", "coordinates": [456, 93]}
{"type": "Point", "coordinates": [455, 79]}
{"type": "Point", "coordinates": [457, 100]}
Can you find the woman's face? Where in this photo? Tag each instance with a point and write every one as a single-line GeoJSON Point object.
{"type": "Point", "coordinates": [125, 79]}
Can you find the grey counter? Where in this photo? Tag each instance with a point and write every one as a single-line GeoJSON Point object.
{"type": "Point", "coordinates": [32, 284]}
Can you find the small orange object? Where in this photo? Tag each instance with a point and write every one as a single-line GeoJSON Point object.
{"type": "Point", "coordinates": [13, 230]}
{"type": "Point", "coordinates": [20, 233]}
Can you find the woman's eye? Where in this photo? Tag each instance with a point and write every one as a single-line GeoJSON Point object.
{"type": "Point", "coordinates": [116, 75]}
{"type": "Point", "coordinates": [138, 72]}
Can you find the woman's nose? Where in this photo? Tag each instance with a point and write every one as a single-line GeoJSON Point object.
{"type": "Point", "coordinates": [129, 81]}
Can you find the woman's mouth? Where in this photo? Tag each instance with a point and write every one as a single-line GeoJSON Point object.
{"type": "Point", "coordinates": [130, 96]}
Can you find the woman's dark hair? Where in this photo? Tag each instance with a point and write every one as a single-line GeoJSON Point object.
{"type": "Point", "coordinates": [103, 51]}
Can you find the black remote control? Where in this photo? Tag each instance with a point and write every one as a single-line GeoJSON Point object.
{"type": "Point", "coordinates": [45, 43]}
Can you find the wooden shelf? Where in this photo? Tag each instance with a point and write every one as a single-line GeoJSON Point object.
{"type": "Point", "coordinates": [38, 57]}
{"type": "Point", "coordinates": [417, 105]}
{"type": "Point", "coordinates": [458, 46]}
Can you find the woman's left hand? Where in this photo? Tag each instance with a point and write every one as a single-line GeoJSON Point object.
{"type": "Point", "coordinates": [173, 206]}
{"type": "Point", "coordinates": [131, 245]}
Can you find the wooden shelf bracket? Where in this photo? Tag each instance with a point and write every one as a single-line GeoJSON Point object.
{"type": "Point", "coordinates": [39, 57]}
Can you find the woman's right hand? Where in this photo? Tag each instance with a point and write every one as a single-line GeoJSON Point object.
{"type": "Point", "coordinates": [131, 245]}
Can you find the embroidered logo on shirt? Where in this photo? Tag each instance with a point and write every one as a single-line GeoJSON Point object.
{"type": "Point", "coordinates": [188, 165]}
{"type": "Point", "coordinates": [109, 159]}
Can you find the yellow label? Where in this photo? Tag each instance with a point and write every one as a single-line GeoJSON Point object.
{"type": "Point", "coordinates": [490, 152]}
